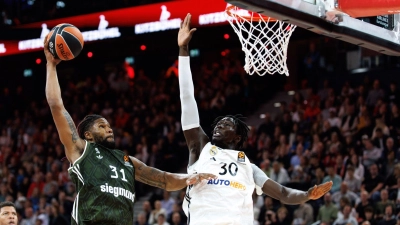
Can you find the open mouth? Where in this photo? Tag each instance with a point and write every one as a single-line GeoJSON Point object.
{"type": "Point", "coordinates": [217, 134]}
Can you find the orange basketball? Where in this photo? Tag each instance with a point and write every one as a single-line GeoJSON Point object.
{"type": "Point", "coordinates": [65, 41]}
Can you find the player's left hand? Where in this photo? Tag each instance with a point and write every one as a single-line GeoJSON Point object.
{"type": "Point", "coordinates": [197, 178]}
{"type": "Point", "coordinates": [317, 192]}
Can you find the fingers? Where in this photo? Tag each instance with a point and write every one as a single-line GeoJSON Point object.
{"type": "Point", "coordinates": [192, 31]}
{"type": "Point", "coordinates": [207, 176]}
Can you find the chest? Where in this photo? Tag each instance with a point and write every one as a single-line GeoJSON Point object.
{"type": "Point", "coordinates": [227, 164]}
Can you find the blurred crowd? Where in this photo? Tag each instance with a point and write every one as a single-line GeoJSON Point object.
{"type": "Point", "coordinates": [144, 114]}
{"type": "Point", "coordinates": [349, 136]}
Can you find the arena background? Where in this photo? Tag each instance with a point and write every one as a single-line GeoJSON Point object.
{"type": "Point", "coordinates": [288, 115]}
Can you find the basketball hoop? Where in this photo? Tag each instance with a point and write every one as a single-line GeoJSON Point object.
{"type": "Point", "coordinates": [264, 40]}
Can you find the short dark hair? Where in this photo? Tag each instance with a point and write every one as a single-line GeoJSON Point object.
{"type": "Point", "coordinates": [241, 127]}
{"type": "Point", "coordinates": [86, 123]}
{"type": "Point", "coordinates": [5, 204]}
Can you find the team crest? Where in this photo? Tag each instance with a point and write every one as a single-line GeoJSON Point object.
{"type": "Point", "coordinates": [241, 157]}
{"type": "Point", "coordinates": [213, 150]}
{"type": "Point", "coordinates": [126, 158]}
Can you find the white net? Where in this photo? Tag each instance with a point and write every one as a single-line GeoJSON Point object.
{"type": "Point", "coordinates": [264, 41]}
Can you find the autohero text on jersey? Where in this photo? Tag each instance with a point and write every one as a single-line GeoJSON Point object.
{"type": "Point", "coordinates": [117, 191]}
{"type": "Point", "coordinates": [233, 184]}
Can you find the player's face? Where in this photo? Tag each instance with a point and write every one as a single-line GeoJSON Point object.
{"type": "Point", "coordinates": [224, 133]}
{"type": "Point", "coordinates": [8, 215]}
{"type": "Point", "coordinates": [103, 134]}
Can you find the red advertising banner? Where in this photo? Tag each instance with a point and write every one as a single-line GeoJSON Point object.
{"type": "Point", "coordinates": [361, 8]}
{"type": "Point", "coordinates": [143, 19]}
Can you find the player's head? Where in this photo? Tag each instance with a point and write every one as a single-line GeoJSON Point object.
{"type": "Point", "coordinates": [96, 128]}
{"type": "Point", "coordinates": [8, 213]}
{"type": "Point", "coordinates": [229, 131]}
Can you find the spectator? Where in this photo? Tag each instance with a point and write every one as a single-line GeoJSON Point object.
{"type": "Point", "coordinates": [331, 175]}
{"type": "Point", "coordinates": [147, 209]}
{"type": "Point", "coordinates": [30, 217]}
{"type": "Point", "coordinates": [370, 216]}
{"type": "Point", "coordinates": [328, 212]}
{"type": "Point", "coordinates": [344, 192]}
{"type": "Point", "coordinates": [389, 217]}
{"type": "Point", "coordinates": [363, 205]}
{"type": "Point", "coordinates": [176, 219]}
{"type": "Point", "coordinates": [279, 174]}
{"type": "Point", "coordinates": [373, 183]}
{"type": "Point", "coordinates": [347, 218]}
{"type": "Point", "coordinates": [371, 154]}
{"type": "Point", "coordinates": [156, 212]}
{"type": "Point", "coordinates": [353, 181]}
{"type": "Point", "coordinates": [393, 95]}
{"type": "Point", "coordinates": [381, 205]}
{"type": "Point", "coordinates": [161, 220]}
{"type": "Point", "coordinates": [167, 202]}
{"type": "Point", "coordinates": [303, 215]}
{"type": "Point", "coordinates": [141, 219]}
{"type": "Point", "coordinates": [282, 216]}
{"type": "Point", "coordinates": [375, 94]}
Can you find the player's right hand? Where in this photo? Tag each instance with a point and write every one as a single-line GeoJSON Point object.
{"type": "Point", "coordinates": [317, 192]}
{"type": "Point", "coordinates": [185, 33]}
{"type": "Point", "coordinates": [197, 178]}
{"type": "Point", "coordinates": [49, 57]}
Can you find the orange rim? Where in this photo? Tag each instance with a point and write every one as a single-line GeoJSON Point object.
{"type": "Point", "coordinates": [256, 16]}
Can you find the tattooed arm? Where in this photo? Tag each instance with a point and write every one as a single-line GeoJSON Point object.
{"type": "Point", "coordinates": [64, 123]}
{"type": "Point", "coordinates": [165, 180]}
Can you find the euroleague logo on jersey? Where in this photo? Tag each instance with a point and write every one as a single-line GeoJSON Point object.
{"type": "Point", "coordinates": [227, 183]}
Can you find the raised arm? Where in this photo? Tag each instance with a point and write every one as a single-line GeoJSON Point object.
{"type": "Point", "coordinates": [65, 125]}
{"type": "Point", "coordinates": [165, 180]}
{"type": "Point", "coordinates": [195, 137]}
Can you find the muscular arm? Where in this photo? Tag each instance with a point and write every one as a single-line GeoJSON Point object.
{"type": "Point", "coordinates": [195, 137]}
{"type": "Point", "coordinates": [157, 178]}
{"type": "Point", "coordinates": [65, 125]}
{"type": "Point", "coordinates": [275, 190]}
{"type": "Point", "coordinates": [284, 194]}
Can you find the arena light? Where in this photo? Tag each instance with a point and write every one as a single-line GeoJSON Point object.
{"type": "Point", "coordinates": [226, 36]}
{"type": "Point", "coordinates": [291, 92]}
{"type": "Point", "coordinates": [38, 61]}
{"type": "Point", "coordinates": [143, 47]}
{"type": "Point", "coordinates": [90, 54]}
{"type": "Point", "coordinates": [277, 104]}
{"type": "Point", "coordinates": [27, 73]}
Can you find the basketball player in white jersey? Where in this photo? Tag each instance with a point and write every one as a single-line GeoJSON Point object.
{"type": "Point", "coordinates": [226, 200]}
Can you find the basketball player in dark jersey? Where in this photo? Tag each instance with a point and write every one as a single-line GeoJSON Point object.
{"type": "Point", "coordinates": [104, 176]}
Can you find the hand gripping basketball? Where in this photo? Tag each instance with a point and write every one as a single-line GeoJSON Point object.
{"type": "Point", "coordinates": [317, 192]}
{"type": "Point", "coordinates": [197, 178]}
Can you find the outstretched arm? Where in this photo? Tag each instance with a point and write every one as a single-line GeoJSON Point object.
{"type": "Point", "coordinates": [65, 125]}
{"type": "Point", "coordinates": [287, 195]}
{"type": "Point", "coordinates": [165, 180]}
{"type": "Point", "coordinates": [195, 137]}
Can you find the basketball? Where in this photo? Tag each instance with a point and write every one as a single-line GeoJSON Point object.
{"type": "Point", "coordinates": [65, 41]}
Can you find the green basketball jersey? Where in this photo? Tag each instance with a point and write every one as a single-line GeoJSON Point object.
{"type": "Point", "coordinates": [104, 179]}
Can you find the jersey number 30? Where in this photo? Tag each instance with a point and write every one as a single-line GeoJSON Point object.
{"type": "Point", "coordinates": [233, 168]}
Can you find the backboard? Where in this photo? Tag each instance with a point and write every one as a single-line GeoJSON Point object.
{"type": "Point", "coordinates": [332, 18]}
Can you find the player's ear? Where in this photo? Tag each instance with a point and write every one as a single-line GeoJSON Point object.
{"type": "Point", "coordinates": [88, 135]}
{"type": "Point", "coordinates": [237, 139]}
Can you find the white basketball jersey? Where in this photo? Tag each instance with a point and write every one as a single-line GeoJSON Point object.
{"type": "Point", "coordinates": [226, 200]}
